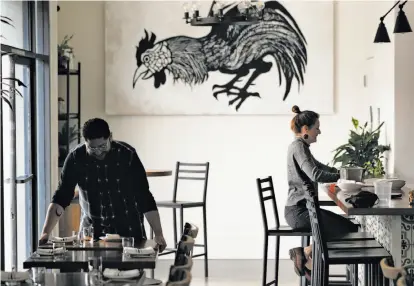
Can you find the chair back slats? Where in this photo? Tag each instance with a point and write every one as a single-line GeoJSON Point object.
{"type": "Point", "coordinates": [183, 261]}
{"type": "Point", "coordinates": [193, 164]}
{"type": "Point", "coordinates": [190, 230]}
{"type": "Point", "coordinates": [261, 189]}
{"type": "Point", "coordinates": [318, 233]}
{"type": "Point", "coordinates": [186, 245]}
{"type": "Point", "coordinates": [191, 178]}
{"type": "Point", "coordinates": [191, 172]}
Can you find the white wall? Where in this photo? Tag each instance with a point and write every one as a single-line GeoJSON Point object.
{"type": "Point", "coordinates": [239, 148]}
{"type": "Point", "coordinates": [404, 99]}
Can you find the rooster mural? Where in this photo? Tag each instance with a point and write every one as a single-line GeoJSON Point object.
{"type": "Point", "coordinates": [230, 49]}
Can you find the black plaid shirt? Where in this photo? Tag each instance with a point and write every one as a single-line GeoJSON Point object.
{"type": "Point", "coordinates": [114, 192]}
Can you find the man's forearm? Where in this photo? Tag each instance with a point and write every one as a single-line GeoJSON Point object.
{"type": "Point", "coordinates": [153, 218]}
{"type": "Point", "coordinates": [53, 215]}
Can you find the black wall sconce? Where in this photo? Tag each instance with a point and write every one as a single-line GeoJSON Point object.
{"type": "Point", "coordinates": [401, 25]}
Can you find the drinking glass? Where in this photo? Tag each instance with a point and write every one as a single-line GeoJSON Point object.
{"type": "Point", "coordinates": [76, 235]}
{"type": "Point", "coordinates": [38, 274]}
{"type": "Point", "coordinates": [383, 191]}
{"type": "Point", "coordinates": [88, 233]}
{"type": "Point", "coordinates": [127, 242]}
{"type": "Point", "coordinates": [95, 269]}
{"type": "Point", "coordinates": [57, 246]}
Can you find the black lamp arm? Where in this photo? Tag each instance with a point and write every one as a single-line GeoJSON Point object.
{"type": "Point", "coordinates": [211, 12]}
{"type": "Point", "coordinates": [402, 5]}
{"type": "Point", "coordinates": [396, 3]}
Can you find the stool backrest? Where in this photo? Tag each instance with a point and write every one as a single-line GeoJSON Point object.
{"type": "Point", "coordinates": [179, 277]}
{"type": "Point", "coordinates": [183, 261]}
{"type": "Point", "coordinates": [267, 192]}
{"type": "Point", "coordinates": [190, 230]}
{"type": "Point", "coordinates": [318, 234]}
{"type": "Point", "coordinates": [185, 245]}
{"type": "Point", "coordinates": [191, 171]}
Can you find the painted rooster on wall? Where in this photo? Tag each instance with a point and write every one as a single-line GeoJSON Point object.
{"type": "Point", "coordinates": [229, 49]}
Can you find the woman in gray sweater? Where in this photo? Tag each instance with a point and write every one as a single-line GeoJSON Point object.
{"type": "Point", "coordinates": [302, 168]}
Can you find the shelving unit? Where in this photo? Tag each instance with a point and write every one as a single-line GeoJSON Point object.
{"type": "Point", "coordinates": [65, 139]}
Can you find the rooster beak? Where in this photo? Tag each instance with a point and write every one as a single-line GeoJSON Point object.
{"type": "Point", "coordinates": [145, 75]}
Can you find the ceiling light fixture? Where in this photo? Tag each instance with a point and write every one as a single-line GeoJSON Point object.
{"type": "Point", "coordinates": [247, 13]}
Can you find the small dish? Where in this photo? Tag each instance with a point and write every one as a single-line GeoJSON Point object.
{"type": "Point", "coordinates": [116, 274]}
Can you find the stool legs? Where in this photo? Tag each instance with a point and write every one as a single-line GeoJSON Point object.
{"type": "Point", "coordinates": [175, 227]}
{"type": "Point", "coordinates": [266, 244]}
{"type": "Point", "coordinates": [205, 241]}
{"type": "Point", "coordinates": [277, 260]}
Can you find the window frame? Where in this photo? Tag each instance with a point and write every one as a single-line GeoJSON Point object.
{"type": "Point", "coordinates": [38, 58]}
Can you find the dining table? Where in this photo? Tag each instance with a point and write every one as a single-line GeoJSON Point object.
{"type": "Point", "coordinates": [82, 279]}
{"type": "Point", "coordinates": [392, 225]}
{"type": "Point", "coordinates": [76, 257]}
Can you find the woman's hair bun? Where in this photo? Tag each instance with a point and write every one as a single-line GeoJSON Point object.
{"type": "Point", "coordinates": [296, 109]}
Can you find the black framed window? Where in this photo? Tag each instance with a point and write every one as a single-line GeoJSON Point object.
{"type": "Point", "coordinates": [25, 54]}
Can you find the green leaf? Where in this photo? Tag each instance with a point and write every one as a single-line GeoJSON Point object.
{"type": "Point", "coordinates": [18, 81]}
{"type": "Point", "coordinates": [355, 122]}
{"type": "Point", "coordinates": [7, 101]}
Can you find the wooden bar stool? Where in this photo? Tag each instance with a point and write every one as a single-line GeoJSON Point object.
{"type": "Point", "coordinates": [323, 256]}
{"type": "Point", "coordinates": [185, 172]}
{"type": "Point", "coordinates": [277, 231]}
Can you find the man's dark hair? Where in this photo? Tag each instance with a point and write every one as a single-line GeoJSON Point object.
{"type": "Point", "coordinates": [95, 128]}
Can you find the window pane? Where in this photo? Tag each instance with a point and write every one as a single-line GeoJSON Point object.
{"type": "Point", "coordinates": [19, 35]}
{"type": "Point", "coordinates": [23, 166]}
{"type": "Point", "coordinates": [42, 27]}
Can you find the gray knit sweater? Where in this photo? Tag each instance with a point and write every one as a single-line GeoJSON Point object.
{"type": "Point", "coordinates": [303, 166]}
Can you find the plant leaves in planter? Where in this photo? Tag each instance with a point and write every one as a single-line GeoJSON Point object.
{"type": "Point", "coordinates": [362, 150]}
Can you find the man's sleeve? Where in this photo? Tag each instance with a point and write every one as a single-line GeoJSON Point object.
{"type": "Point", "coordinates": [144, 198]}
{"type": "Point", "coordinates": [67, 183]}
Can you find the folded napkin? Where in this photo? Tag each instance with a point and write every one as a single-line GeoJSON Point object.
{"type": "Point", "coordinates": [115, 273]}
{"type": "Point", "coordinates": [14, 276]}
{"type": "Point", "coordinates": [63, 239]}
{"type": "Point", "coordinates": [45, 251]}
{"type": "Point", "coordinates": [139, 251]}
{"type": "Point", "coordinates": [112, 236]}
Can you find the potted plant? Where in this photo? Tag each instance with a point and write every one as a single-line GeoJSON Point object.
{"type": "Point", "coordinates": [363, 150]}
{"type": "Point", "coordinates": [65, 53]}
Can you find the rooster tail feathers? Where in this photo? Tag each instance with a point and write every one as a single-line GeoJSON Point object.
{"type": "Point", "coordinates": [272, 7]}
{"type": "Point", "coordinates": [289, 44]}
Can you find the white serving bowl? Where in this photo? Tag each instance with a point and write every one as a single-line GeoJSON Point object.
{"type": "Point", "coordinates": [350, 187]}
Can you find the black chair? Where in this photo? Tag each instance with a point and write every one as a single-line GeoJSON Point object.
{"type": "Point", "coordinates": [189, 171]}
{"type": "Point", "coordinates": [276, 231]}
{"type": "Point", "coordinates": [323, 255]}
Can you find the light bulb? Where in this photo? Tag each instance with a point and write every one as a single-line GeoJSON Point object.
{"type": "Point", "coordinates": [220, 4]}
{"type": "Point", "coordinates": [195, 6]}
{"type": "Point", "coordinates": [260, 5]}
{"type": "Point", "coordinates": [186, 7]}
{"type": "Point", "coordinates": [242, 7]}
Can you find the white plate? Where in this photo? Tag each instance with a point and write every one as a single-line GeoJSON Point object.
{"type": "Point", "coordinates": [121, 275]}
{"type": "Point", "coordinates": [110, 239]}
{"type": "Point", "coordinates": [63, 239]}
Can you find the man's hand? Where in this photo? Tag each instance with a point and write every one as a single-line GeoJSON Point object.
{"type": "Point", "coordinates": [43, 238]}
{"type": "Point", "coordinates": [159, 239]}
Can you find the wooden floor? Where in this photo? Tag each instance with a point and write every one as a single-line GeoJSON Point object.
{"type": "Point", "coordinates": [236, 272]}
